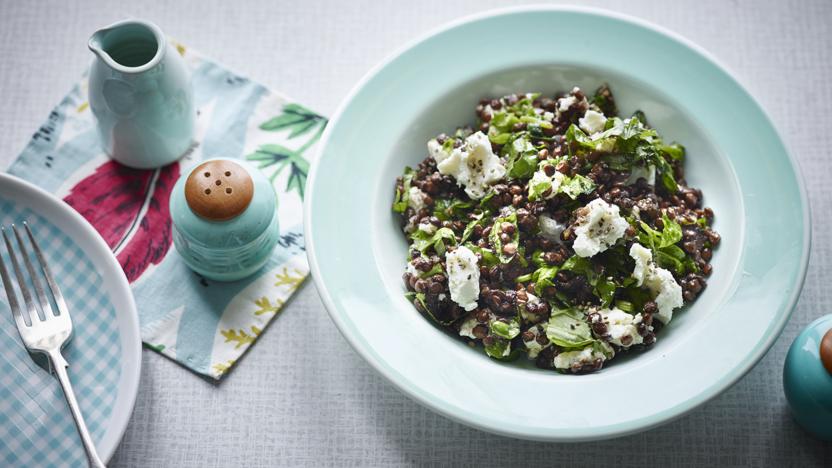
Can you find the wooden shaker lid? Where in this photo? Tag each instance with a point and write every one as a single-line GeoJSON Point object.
{"type": "Point", "coordinates": [219, 190]}
{"type": "Point", "coordinates": [826, 351]}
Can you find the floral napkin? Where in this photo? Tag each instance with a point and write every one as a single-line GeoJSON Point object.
{"type": "Point", "coordinates": [204, 325]}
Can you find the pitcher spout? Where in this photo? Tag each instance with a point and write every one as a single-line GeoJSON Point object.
{"type": "Point", "coordinates": [129, 46]}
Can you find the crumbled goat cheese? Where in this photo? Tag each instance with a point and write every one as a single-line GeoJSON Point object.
{"type": "Point", "coordinates": [525, 314]}
{"type": "Point", "coordinates": [621, 327]}
{"type": "Point", "coordinates": [534, 347]}
{"type": "Point", "coordinates": [640, 172]}
{"type": "Point", "coordinates": [474, 165]}
{"type": "Point", "coordinates": [644, 261]}
{"type": "Point", "coordinates": [565, 103]}
{"type": "Point", "coordinates": [427, 228]}
{"type": "Point", "coordinates": [582, 357]}
{"type": "Point", "coordinates": [549, 228]}
{"type": "Point", "coordinates": [666, 291]}
{"type": "Point", "coordinates": [540, 177]}
{"type": "Point", "coordinates": [467, 328]}
{"type": "Point", "coordinates": [463, 277]}
{"type": "Point", "coordinates": [599, 228]}
{"type": "Point", "coordinates": [416, 199]}
{"type": "Point", "coordinates": [437, 151]}
{"type": "Point", "coordinates": [412, 270]}
{"type": "Point", "coordinates": [592, 122]}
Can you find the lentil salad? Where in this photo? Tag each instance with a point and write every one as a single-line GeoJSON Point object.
{"type": "Point", "coordinates": [554, 229]}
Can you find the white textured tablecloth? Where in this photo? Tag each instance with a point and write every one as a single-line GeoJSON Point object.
{"type": "Point", "coordinates": [302, 396]}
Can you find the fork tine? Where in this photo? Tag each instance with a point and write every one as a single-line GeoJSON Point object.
{"type": "Point", "coordinates": [11, 294]}
{"type": "Point", "coordinates": [44, 301]}
{"type": "Point", "coordinates": [21, 281]}
{"type": "Point", "coordinates": [56, 291]}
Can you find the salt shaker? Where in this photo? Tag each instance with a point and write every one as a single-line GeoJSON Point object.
{"type": "Point", "coordinates": [807, 378]}
{"type": "Point", "coordinates": [224, 216]}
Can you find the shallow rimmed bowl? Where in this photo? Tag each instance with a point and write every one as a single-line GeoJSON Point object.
{"type": "Point", "coordinates": [734, 154]}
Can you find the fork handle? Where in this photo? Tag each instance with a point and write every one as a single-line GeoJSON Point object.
{"type": "Point", "coordinates": [59, 364]}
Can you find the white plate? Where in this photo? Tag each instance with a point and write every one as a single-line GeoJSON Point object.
{"type": "Point", "coordinates": [104, 355]}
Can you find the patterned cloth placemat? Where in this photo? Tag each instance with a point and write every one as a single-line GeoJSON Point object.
{"type": "Point", "coordinates": [204, 325]}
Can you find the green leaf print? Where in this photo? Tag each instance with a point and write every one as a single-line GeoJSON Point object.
{"type": "Point", "coordinates": [296, 118]}
{"type": "Point", "coordinates": [277, 158]}
{"type": "Point", "coordinates": [274, 158]}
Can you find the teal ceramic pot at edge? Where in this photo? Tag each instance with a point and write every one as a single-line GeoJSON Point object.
{"type": "Point", "coordinates": [227, 250]}
{"type": "Point", "coordinates": [145, 112]}
{"type": "Point", "coordinates": [807, 384]}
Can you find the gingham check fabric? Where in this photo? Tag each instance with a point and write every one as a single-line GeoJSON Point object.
{"type": "Point", "coordinates": [36, 427]}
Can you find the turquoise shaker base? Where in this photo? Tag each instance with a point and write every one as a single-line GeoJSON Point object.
{"type": "Point", "coordinates": [229, 276]}
{"type": "Point", "coordinates": [227, 250]}
{"type": "Point", "coordinates": [807, 384]}
{"type": "Point", "coordinates": [219, 272]}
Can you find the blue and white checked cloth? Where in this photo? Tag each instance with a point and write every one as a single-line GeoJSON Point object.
{"type": "Point", "coordinates": [36, 427]}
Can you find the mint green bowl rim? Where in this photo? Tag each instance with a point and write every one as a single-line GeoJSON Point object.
{"type": "Point", "coordinates": [587, 433]}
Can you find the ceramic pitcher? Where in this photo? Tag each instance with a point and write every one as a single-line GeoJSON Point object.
{"type": "Point", "coordinates": [140, 93]}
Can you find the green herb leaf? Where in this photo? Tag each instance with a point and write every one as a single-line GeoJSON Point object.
{"type": "Point", "coordinates": [403, 195]}
{"type": "Point", "coordinates": [497, 243]}
{"type": "Point", "coordinates": [605, 290]}
{"type": "Point", "coordinates": [630, 144]}
{"type": "Point", "coordinates": [423, 241]}
{"type": "Point", "coordinates": [500, 349]}
{"type": "Point", "coordinates": [522, 157]}
{"type": "Point", "coordinates": [579, 140]}
{"type": "Point", "coordinates": [670, 234]}
{"type": "Point", "coordinates": [486, 200]}
{"type": "Point", "coordinates": [662, 243]}
{"type": "Point", "coordinates": [542, 277]}
{"type": "Point", "coordinates": [449, 145]}
{"type": "Point", "coordinates": [420, 297]}
{"type": "Point", "coordinates": [603, 287]}
{"type": "Point", "coordinates": [567, 328]}
{"type": "Point", "coordinates": [479, 220]}
{"type": "Point", "coordinates": [488, 256]}
{"type": "Point", "coordinates": [537, 258]}
{"type": "Point", "coordinates": [576, 186]}
{"type": "Point", "coordinates": [674, 151]}
{"type": "Point", "coordinates": [539, 184]}
{"type": "Point", "coordinates": [641, 117]}
{"type": "Point", "coordinates": [435, 270]}
{"type": "Point", "coordinates": [665, 171]}
{"type": "Point", "coordinates": [505, 330]}
{"type": "Point", "coordinates": [604, 100]}
{"type": "Point", "coordinates": [450, 208]}
{"type": "Point", "coordinates": [579, 265]}
{"type": "Point", "coordinates": [501, 126]}
{"type": "Point", "coordinates": [603, 348]}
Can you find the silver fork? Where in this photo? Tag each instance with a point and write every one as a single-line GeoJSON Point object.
{"type": "Point", "coordinates": [48, 334]}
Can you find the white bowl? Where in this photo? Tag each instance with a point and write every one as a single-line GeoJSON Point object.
{"type": "Point", "coordinates": [357, 252]}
